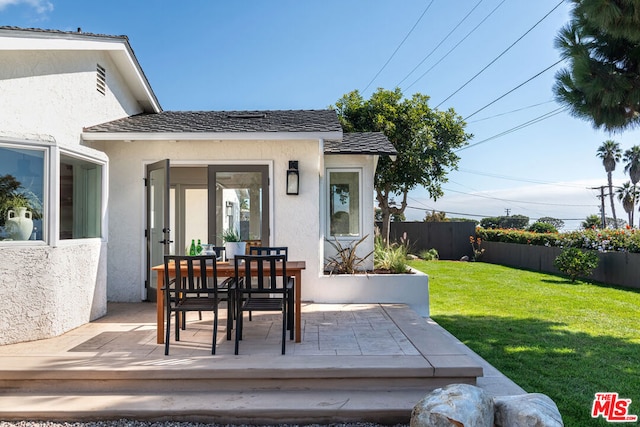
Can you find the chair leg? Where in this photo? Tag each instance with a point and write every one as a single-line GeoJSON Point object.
{"type": "Point", "coordinates": [215, 329]}
{"type": "Point", "coordinates": [238, 330]}
{"type": "Point", "coordinates": [230, 315]}
{"type": "Point", "coordinates": [168, 332]}
{"type": "Point", "coordinates": [285, 320]}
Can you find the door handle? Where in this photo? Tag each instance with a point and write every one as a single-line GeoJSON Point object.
{"type": "Point", "coordinates": [164, 242]}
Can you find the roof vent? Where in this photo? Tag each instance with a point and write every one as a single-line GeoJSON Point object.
{"type": "Point", "coordinates": [247, 115]}
{"type": "Point", "coordinates": [101, 79]}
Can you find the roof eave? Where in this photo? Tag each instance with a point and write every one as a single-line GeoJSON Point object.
{"type": "Point", "coordinates": [207, 136]}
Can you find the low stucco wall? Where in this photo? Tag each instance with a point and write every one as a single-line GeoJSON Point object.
{"type": "Point", "coordinates": [49, 291]}
{"type": "Point", "coordinates": [410, 289]}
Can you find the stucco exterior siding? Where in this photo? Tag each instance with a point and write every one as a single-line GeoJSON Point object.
{"type": "Point", "coordinates": [49, 97]}
{"type": "Point", "coordinates": [54, 94]}
{"type": "Point", "coordinates": [294, 219]}
{"type": "Point", "coordinates": [48, 291]}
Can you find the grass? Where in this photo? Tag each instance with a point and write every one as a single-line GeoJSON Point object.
{"type": "Point", "coordinates": [566, 340]}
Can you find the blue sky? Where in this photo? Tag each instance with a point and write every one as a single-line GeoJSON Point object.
{"type": "Point", "coordinates": [297, 54]}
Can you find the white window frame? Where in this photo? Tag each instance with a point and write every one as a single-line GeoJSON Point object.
{"type": "Point", "coordinates": [359, 172]}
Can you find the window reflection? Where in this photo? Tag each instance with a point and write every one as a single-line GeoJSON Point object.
{"type": "Point", "coordinates": [21, 193]}
{"type": "Point", "coordinates": [80, 198]}
{"type": "Point", "coordinates": [344, 203]}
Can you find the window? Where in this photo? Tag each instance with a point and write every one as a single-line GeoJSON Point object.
{"type": "Point", "coordinates": [344, 203]}
{"type": "Point", "coordinates": [80, 198]}
{"type": "Point", "coordinates": [22, 191]}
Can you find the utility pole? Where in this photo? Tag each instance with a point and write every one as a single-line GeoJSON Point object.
{"type": "Point", "coordinates": [508, 211]}
{"type": "Point", "coordinates": [603, 220]}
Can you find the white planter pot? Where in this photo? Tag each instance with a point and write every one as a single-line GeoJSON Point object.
{"type": "Point", "coordinates": [231, 249]}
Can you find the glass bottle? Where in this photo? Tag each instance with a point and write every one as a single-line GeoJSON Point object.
{"type": "Point", "coordinates": [192, 248]}
{"type": "Point", "coordinates": [199, 248]}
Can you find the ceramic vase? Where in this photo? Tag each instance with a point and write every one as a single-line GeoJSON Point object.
{"type": "Point", "coordinates": [19, 223]}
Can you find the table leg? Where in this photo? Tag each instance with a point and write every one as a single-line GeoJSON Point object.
{"type": "Point", "coordinates": [298, 304]}
{"type": "Point", "coordinates": [160, 309]}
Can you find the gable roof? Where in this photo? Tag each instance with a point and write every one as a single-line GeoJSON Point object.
{"type": "Point", "coordinates": [361, 143]}
{"type": "Point", "coordinates": [117, 47]}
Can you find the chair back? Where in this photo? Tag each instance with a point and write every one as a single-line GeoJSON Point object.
{"type": "Point", "coordinates": [269, 250]}
{"type": "Point", "coordinates": [259, 273]}
{"type": "Point", "coordinates": [201, 276]}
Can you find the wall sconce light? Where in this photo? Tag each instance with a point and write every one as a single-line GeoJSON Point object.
{"type": "Point", "coordinates": [229, 209]}
{"type": "Point", "coordinates": [293, 178]}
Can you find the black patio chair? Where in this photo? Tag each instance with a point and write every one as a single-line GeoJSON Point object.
{"type": "Point", "coordinates": [261, 287]}
{"type": "Point", "coordinates": [194, 288]}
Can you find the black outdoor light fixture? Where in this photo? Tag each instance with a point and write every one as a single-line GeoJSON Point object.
{"type": "Point", "coordinates": [293, 178]}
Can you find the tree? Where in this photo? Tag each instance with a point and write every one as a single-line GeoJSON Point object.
{"type": "Point", "coordinates": [394, 218]}
{"type": "Point", "coordinates": [425, 139]}
{"type": "Point", "coordinates": [592, 221]}
{"type": "Point", "coordinates": [434, 216]}
{"type": "Point", "coordinates": [602, 82]}
{"type": "Point", "coordinates": [490, 222]}
{"type": "Point", "coordinates": [519, 222]}
{"type": "Point", "coordinates": [628, 194]}
{"type": "Point", "coordinates": [631, 161]}
{"type": "Point", "coordinates": [557, 223]}
{"type": "Point", "coordinates": [610, 153]}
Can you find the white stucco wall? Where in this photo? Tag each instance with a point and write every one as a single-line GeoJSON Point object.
{"type": "Point", "coordinates": [50, 96]}
{"type": "Point", "coordinates": [295, 218]}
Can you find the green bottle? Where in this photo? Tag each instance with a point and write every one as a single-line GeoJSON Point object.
{"type": "Point", "coordinates": [192, 248]}
{"type": "Point", "coordinates": [199, 248]}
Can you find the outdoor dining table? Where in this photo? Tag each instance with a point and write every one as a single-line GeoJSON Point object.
{"type": "Point", "coordinates": [226, 269]}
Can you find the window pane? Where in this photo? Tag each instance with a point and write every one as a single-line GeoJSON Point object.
{"type": "Point", "coordinates": [21, 193]}
{"type": "Point", "coordinates": [344, 203]}
{"type": "Point", "coordinates": [80, 198]}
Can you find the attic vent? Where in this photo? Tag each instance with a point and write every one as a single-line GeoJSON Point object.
{"type": "Point", "coordinates": [246, 116]}
{"type": "Point", "coordinates": [101, 79]}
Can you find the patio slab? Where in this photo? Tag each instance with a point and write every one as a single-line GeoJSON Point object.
{"type": "Point", "coordinates": [356, 362]}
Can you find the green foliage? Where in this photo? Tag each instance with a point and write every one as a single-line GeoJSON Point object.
{"type": "Point", "coordinates": [602, 46]}
{"type": "Point", "coordinates": [591, 221]}
{"type": "Point", "coordinates": [425, 139]}
{"type": "Point", "coordinates": [346, 260]}
{"type": "Point", "coordinates": [519, 222]}
{"type": "Point", "coordinates": [608, 240]}
{"type": "Point", "coordinates": [476, 245]}
{"type": "Point", "coordinates": [576, 263]}
{"type": "Point", "coordinates": [542, 227]}
{"type": "Point", "coordinates": [557, 223]}
{"type": "Point", "coordinates": [434, 216]}
{"type": "Point", "coordinates": [390, 257]}
{"type": "Point", "coordinates": [231, 235]}
{"type": "Point", "coordinates": [429, 255]}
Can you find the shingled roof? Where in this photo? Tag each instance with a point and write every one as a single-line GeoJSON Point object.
{"type": "Point", "coordinates": [361, 143]}
{"type": "Point", "coordinates": [224, 121]}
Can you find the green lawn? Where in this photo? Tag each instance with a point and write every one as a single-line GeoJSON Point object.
{"type": "Point", "coordinates": [550, 336]}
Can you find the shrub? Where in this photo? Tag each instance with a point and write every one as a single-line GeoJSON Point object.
{"type": "Point", "coordinates": [542, 227]}
{"type": "Point", "coordinates": [575, 262]}
{"type": "Point", "coordinates": [392, 258]}
{"type": "Point", "coordinates": [346, 260]}
{"type": "Point", "coordinates": [429, 255]}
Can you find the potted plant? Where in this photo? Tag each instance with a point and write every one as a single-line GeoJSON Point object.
{"type": "Point", "coordinates": [232, 244]}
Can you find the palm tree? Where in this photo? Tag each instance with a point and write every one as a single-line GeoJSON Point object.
{"type": "Point", "coordinates": [628, 194]}
{"type": "Point", "coordinates": [610, 153]}
{"type": "Point", "coordinates": [632, 166]}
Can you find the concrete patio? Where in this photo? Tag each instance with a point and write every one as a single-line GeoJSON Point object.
{"type": "Point", "coordinates": [356, 362]}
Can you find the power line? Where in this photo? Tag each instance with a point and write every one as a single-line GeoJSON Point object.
{"type": "Point", "coordinates": [501, 54]}
{"type": "Point", "coordinates": [512, 111]}
{"type": "Point", "coordinates": [512, 201]}
{"type": "Point", "coordinates": [441, 41]}
{"type": "Point", "coordinates": [515, 88]}
{"type": "Point", "coordinates": [509, 178]}
{"type": "Point", "coordinates": [516, 128]}
{"type": "Point", "coordinates": [399, 46]}
{"type": "Point", "coordinates": [453, 48]}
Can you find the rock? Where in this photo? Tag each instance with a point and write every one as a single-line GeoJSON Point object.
{"type": "Point", "coordinates": [456, 405]}
{"type": "Point", "coordinates": [527, 410]}
{"type": "Point", "coordinates": [464, 258]}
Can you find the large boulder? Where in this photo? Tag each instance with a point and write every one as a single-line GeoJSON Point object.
{"type": "Point", "coordinates": [456, 405]}
{"type": "Point", "coordinates": [527, 410]}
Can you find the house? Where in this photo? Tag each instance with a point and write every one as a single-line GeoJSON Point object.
{"type": "Point", "coordinates": [112, 182]}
